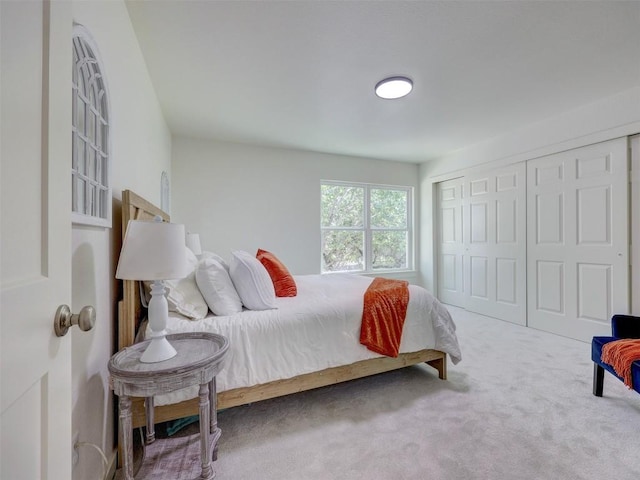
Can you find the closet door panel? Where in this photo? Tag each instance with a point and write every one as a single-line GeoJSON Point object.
{"type": "Point", "coordinates": [478, 274]}
{"type": "Point", "coordinates": [634, 214]}
{"type": "Point", "coordinates": [449, 242]}
{"type": "Point", "coordinates": [495, 245]}
{"type": "Point", "coordinates": [550, 295]}
{"type": "Point", "coordinates": [578, 240]}
{"type": "Point", "coordinates": [506, 280]}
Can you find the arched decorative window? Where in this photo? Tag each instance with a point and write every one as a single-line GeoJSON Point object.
{"type": "Point", "coordinates": [91, 134]}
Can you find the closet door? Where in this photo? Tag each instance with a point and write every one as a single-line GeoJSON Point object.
{"type": "Point", "coordinates": [578, 239]}
{"type": "Point", "coordinates": [634, 215]}
{"type": "Point", "coordinates": [494, 227]}
{"type": "Point", "coordinates": [449, 242]}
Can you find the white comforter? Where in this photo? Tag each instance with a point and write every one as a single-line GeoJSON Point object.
{"type": "Point", "coordinates": [317, 329]}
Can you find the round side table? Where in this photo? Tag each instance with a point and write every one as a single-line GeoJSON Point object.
{"type": "Point", "coordinates": [199, 359]}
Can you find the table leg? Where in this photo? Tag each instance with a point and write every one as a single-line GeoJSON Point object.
{"type": "Point", "coordinates": [213, 396]}
{"type": "Point", "coordinates": [151, 424]}
{"type": "Point", "coordinates": [126, 437]}
{"type": "Point", "coordinates": [215, 431]}
{"type": "Point", "coordinates": [205, 406]}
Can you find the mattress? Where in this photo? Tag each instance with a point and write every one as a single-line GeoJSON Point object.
{"type": "Point", "coordinates": [317, 329]}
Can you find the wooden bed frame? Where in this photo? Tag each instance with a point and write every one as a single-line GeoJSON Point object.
{"type": "Point", "coordinates": [131, 313]}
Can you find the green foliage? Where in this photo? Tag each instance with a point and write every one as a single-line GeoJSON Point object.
{"type": "Point", "coordinates": [388, 208]}
{"type": "Point", "coordinates": [342, 206]}
{"type": "Point", "coordinates": [342, 250]}
{"type": "Point", "coordinates": [388, 249]}
{"type": "Point", "coordinates": [343, 222]}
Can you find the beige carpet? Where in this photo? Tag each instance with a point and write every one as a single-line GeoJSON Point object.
{"type": "Point", "coordinates": [518, 406]}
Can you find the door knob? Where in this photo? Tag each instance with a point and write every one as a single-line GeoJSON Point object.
{"type": "Point", "coordinates": [64, 320]}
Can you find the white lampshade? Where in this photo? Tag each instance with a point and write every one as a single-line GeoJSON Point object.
{"type": "Point", "coordinates": [153, 251]}
{"type": "Point", "coordinates": [193, 242]}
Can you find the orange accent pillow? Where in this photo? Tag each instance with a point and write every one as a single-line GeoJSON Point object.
{"type": "Point", "coordinates": [283, 281]}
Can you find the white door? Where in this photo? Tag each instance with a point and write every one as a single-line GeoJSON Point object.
{"type": "Point", "coordinates": [449, 242]}
{"type": "Point", "coordinates": [578, 239]}
{"type": "Point", "coordinates": [35, 398]}
{"type": "Point", "coordinates": [495, 243]}
{"type": "Point", "coordinates": [634, 214]}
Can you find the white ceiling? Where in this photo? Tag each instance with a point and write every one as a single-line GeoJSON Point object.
{"type": "Point", "coordinates": [301, 74]}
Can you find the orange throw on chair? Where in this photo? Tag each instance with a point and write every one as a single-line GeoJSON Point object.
{"type": "Point", "coordinates": [385, 308]}
{"type": "Point", "coordinates": [620, 354]}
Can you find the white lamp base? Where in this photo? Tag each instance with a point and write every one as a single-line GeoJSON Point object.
{"type": "Point", "coordinates": [158, 350]}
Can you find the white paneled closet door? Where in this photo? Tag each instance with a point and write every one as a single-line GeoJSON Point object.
{"type": "Point", "coordinates": [450, 245]}
{"type": "Point", "coordinates": [634, 215]}
{"type": "Point", "coordinates": [495, 243]}
{"type": "Point", "coordinates": [578, 239]}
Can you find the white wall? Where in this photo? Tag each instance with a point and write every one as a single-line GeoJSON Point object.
{"type": "Point", "coordinates": [604, 119]}
{"type": "Point", "coordinates": [141, 150]}
{"type": "Point", "coordinates": [240, 197]}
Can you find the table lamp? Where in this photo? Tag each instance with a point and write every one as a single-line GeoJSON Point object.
{"type": "Point", "coordinates": [154, 251]}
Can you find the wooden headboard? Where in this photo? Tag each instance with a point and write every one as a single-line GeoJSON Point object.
{"type": "Point", "coordinates": [130, 310]}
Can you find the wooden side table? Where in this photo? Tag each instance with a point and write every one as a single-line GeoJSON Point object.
{"type": "Point", "coordinates": [198, 361]}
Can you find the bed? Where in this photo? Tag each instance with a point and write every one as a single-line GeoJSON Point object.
{"type": "Point", "coordinates": [297, 347]}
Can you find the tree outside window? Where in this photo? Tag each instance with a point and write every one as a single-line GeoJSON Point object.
{"type": "Point", "coordinates": [365, 228]}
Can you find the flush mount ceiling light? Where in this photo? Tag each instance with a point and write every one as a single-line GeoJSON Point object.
{"type": "Point", "coordinates": [394, 87]}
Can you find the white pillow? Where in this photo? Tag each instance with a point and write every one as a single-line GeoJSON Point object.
{"type": "Point", "coordinates": [217, 288]}
{"type": "Point", "coordinates": [252, 282]}
{"type": "Point", "coordinates": [183, 295]}
{"type": "Point", "coordinates": [192, 260]}
{"type": "Point", "coordinates": [214, 256]}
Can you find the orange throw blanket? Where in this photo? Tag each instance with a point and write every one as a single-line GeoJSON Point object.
{"type": "Point", "coordinates": [620, 354]}
{"type": "Point", "coordinates": [385, 308]}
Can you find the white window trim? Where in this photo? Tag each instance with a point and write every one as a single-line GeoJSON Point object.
{"type": "Point", "coordinates": [77, 217]}
{"type": "Point", "coordinates": [368, 270]}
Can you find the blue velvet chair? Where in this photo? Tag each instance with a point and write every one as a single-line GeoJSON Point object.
{"type": "Point", "coordinates": [622, 326]}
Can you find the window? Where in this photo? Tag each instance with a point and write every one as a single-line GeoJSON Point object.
{"type": "Point", "coordinates": [366, 228]}
{"type": "Point", "coordinates": [90, 168]}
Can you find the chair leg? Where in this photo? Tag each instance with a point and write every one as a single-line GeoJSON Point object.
{"type": "Point", "coordinates": [598, 380]}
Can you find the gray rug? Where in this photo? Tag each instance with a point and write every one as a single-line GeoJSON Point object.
{"type": "Point", "coordinates": [171, 458]}
{"type": "Point", "coordinates": [518, 406]}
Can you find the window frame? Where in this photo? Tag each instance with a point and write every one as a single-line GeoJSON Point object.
{"type": "Point", "coordinates": [100, 109]}
{"type": "Point", "coordinates": [368, 229]}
